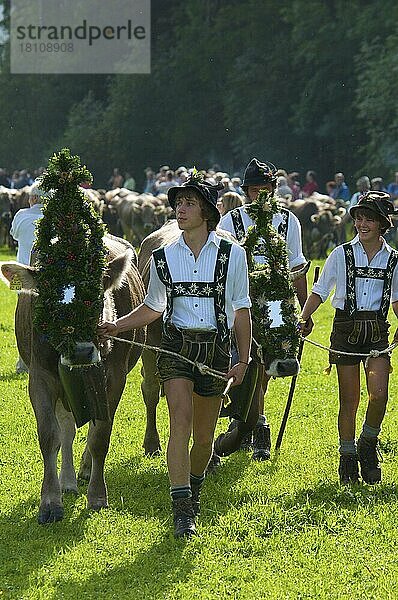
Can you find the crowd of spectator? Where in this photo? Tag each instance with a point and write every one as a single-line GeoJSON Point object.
{"type": "Point", "coordinates": [19, 179]}
{"type": "Point", "coordinates": [291, 186]}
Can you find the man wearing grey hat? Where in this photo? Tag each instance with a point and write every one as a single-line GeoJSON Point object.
{"type": "Point", "coordinates": [200, 285]}
{"type": "Point", "coordinates": [259, 176]}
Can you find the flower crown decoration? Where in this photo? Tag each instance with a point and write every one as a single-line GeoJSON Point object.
{"type": "Point", "coordinates": [71, 257]}
{"type": "Point", "coordinates": [270, 281]}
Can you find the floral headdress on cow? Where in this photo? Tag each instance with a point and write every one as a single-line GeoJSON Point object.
{"type": "Point", "coordinates": [270, 282]}
{"type": "Point", "coordinates": [71, 257]}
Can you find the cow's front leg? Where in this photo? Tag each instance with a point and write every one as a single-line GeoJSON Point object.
{"type": "Point", "coordinates": [43, 397]}
{"type": "Point", "coordinates": [98, 441]}
{"type": "Point", "coordinates": [66, 422]}
{"type": "Point", "coordinates": [150, 389]}
{"type": "Point", "coordinates": [98, 445]}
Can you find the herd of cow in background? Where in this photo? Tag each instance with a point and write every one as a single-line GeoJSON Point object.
{"type": "Point", "coordinates": [325, 221]}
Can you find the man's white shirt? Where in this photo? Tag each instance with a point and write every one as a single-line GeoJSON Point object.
{"type": "Point", "coordinates": [198, 312]}
{"type": "Point", "coordinates": [23, 230]}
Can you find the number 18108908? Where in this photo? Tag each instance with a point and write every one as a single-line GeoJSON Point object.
{"type": "Point", "coordinates": [43, 47]}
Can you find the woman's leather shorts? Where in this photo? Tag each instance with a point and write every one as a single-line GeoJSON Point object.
{"type": "Point", "coordinates": [362, 332]}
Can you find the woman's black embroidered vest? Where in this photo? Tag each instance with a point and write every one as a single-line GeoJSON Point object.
{"type": "Point", "coordinates": [352, 272]}
{"type": "Point", "coordinates": [208, 289]}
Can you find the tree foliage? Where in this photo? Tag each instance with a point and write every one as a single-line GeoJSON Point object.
{"type": "Point", "coordinates": [306, 84]}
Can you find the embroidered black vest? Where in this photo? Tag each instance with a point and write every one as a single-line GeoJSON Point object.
{"type": "Point", "coordinates": [208, 289]}
{"type": "Point", "coordinates": [239, 228]}
{"type": "Point", "coordinates": [352, 272]}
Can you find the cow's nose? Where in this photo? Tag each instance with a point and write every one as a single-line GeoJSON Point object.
{"type": "Point", "coordinates": [287, 368]}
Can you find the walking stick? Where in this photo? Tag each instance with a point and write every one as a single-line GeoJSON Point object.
{"type": "Point", "coordinates": [292, 387]}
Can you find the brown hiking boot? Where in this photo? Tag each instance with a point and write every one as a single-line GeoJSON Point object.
{"type": "Point", "coordinates": [367, 449]}
{"type": "Point", "coordinates": [184, 518]}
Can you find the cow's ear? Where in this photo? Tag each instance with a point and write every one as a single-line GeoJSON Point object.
{"type": "Point", "coordinates": [116, 270]}
{"type": "Point", "coordinates": [19, 277]}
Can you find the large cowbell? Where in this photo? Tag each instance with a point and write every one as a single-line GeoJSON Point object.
{"type": "Point", "coordinates": [83, 380]}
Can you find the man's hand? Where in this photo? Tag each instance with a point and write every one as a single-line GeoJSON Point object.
{"type": "Point", "coordinates": [237, 373]}
{"type": "Point", "coordinates": [107, 328]}
{"type": "Point", "coordinates": [305, 327]}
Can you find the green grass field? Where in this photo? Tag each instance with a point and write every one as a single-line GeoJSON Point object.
{"type": "Point", "coordinates": [282, 529]}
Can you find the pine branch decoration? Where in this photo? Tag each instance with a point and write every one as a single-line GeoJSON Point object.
{"type": "Point", "coordinates": [270, 281]}
{"type": "Point", "coordinates": [71, 257]}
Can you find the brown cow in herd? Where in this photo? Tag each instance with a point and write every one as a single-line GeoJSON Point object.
{"type": "Point", "coordinates": [139, 214]}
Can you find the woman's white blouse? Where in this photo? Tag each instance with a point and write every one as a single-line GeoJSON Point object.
{"type": "Point", "coordinates": [368, 291]}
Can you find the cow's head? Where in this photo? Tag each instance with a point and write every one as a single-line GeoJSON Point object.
{"type": "Point", "coordinates": [286, 367]}
{"type": "Point", "coordinates": [148, 216]}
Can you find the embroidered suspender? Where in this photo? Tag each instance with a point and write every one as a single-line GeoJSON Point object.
{"type": "Point", "coordinates": [352, 272]}
{"type": "Point", "coordinates": [239, 228]}
{"type": "Point", "coordinates": [237, 222]}
{"type": "Point", "coordinates": [283, 226]}
{"type": "Point", "coordinates": [208, 289]}
{"type": "Point", "coordinates": [385, 299]}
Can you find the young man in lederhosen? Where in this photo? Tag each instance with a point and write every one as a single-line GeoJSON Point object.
{"type": "Point", "coordinates": [259, 176]}
{"type": "Point", "coordinates": [364, 275]}
{"type": "Point", "coordinates": [200, 284]}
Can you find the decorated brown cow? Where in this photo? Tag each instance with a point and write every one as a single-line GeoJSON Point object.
{"type": "Point", "coordinates": [80, 277]}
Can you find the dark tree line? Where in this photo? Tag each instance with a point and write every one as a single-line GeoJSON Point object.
{"type": "Point", "coordinates": [304, 83]}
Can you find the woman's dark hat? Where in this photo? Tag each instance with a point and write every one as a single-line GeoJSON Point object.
{"type": "Point", "coordinates": [378, 202]}
{"type": "Point", "coordinates": [258, 172]}
{"type": "Point", "coordinates": [207, 191]}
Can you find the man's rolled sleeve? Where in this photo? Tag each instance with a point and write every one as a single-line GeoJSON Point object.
{"type": "Point", "coordinates": [156, 296]}
{"type": "Point", "coordinates": [321, 292]}
{"type": "Point", "coordinates": [394, 290]}
{"type": "Point", "coordinates": [295, 251]}
{"type": "Point", "coordinates": [240, 294]}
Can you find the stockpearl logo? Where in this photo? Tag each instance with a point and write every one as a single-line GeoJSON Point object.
{"type": "Point", "coordinates": [70, 36]}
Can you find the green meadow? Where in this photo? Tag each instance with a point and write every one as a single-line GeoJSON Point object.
{"type": "Point", "coordinates": [283, 529]}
